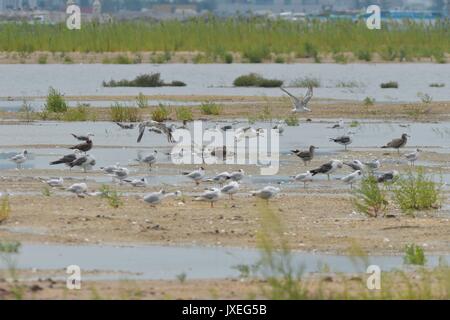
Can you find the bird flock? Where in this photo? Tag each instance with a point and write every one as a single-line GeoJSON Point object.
{"type": "Point", "coordinates": [226, 183]}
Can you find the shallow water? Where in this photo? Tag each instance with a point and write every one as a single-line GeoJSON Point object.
{"type": "Point", "coordinates": [216, 79]}
{"type": "Point", "coordinates": [166, 262]}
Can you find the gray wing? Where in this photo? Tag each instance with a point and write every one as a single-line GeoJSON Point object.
{"type": "Point", "coordinates": [308, 96]}
{"type": "Point", "coordinates": [294, 98]}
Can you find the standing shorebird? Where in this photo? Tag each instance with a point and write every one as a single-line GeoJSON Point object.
{"type": "Point", "coordinates": [155, 198]}
{"type": "Point", "coordinates": [80, 189]}
{"type": "Point", "coordinates": [300, 104]}
{"type": "Point", "coordinates": [230, 189]}
{"type": "Point", "coordinates": [237, 175]}
{"type": "Point", "coordinates": [306, 156]}
{"type": "Point", "coordinates": [19, 159]}
{"type": "Point", "coordinates": [413, 156]}
{"type": "Point", "coordinates": [196, 175]}
{"type": "Point", "coordinates": [373, 165]}
{"type": "Point", "coordinates": [355, 165]}
{"type": "Point", "coordinates": [390, 176]}
{"type": "Point", "coordinates": [343, 140]}
{"type": "Point", "coordinates": [210, 195]}
{"type": "Point", "coordinates": [397, 143]}
{"type": "Point", "coordinates": [304, 177]}
{"type": "Point", "coordinates": [328, 168]}
{"type": "Point", "coordinates": [352, 178]}
{"type": "Point", "coordinates": [266, 193]}
{"type": "Point", "coordinates": [85, 146]}
{"type": "Point", "coordinates": [147, 159]}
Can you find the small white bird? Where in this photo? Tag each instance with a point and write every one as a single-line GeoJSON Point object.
{"type": "Point", "coordinates": [54, 183]}
{"type": "Point", "coordinates": [80, 189]}
{"type": "Point", "coordinates": [300, 104]}
{"type": "Point", "coordinates": [120, 174]}
{"type": "Point", "coordinates": [352, 178]}
{"type": "Point", "coordinates": [373, 165]}
{"type": "Point", "coordinates": [413, 156]}
{"type": "Point", "coordinates": [230, 189]}
{"type": "Point", "coordinates": [19, 159]}
{"type": "Point", "coordinates": [304, 177]}
{"type": "Point", "coordinates": [196, 175]}
{"type": "Point", "coordinates": [266, 193]}
{"type": "Point", "coordinates": [155, 198]}
{"type": "Point", "coordinates": [247, 132]}
{"type": "Point", "coordinates": [110, 169]}
{"type": "Point", "coordinates": [237, 175]}
{"type": "Point", "coordinates": [147, 159]}
{"type": "Point", "coordinates": [210, 195]}
{"type": "Point", "coordinates": [137, 183]}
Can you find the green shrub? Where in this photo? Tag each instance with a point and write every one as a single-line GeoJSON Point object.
{"type": "Point", "coordinates": [26, 111]}
{"type": "Point", "coordinates": [228, 58]}
{"type": "Point", "coordinates": [389, 85]}
{"type": "Point", "coordinates": [414, 255]}
{"type": "Point", "coordinates": [425, 97]}
{"type": "Point", "coordinates": [437, 85]}
{"type": "Point", "coordinates": [348, 84]}
{"type": "Point", "coordinates": [340, 58]}
{"type": "Point", "coordinates": [121, 59]}
{"type": "Point", "coordinates": [369, 198]}
{"type": "Point", "coordinates": [42, 59]}
{"type": "Point", "coordinates": [5, 209]}
{"type": "Point", "coordinates": [416, 191]}
{"type": "Point", "coordinates": [256, 55]}
{"type": "Point", "coordinates": [55, 101]}
{"type": "Point", "coordinates": [368, 101]}
{"type": "Point", "coordinates": [10, 246]}
{"type": "Point", "coordinates": [306, 82]}
{"type": "Point", "coordinates": [113, 197]}
{"type": "Point", "coordinates": [292, 121]}
{"type": "Point", "coordinates": [211, 108]}
{"type": "Point", "coordinates": [279, 59]}
{"type": "Point", "coordinates": [256, 80]}
{"type": "Point", "coordinates": [364, 55]}
{"type": "Point", "coordinates": [143, 80]}
{"type": "Point", "coordinates": [160, 113]}
{"type": "Point", "coordinates": [120, 113]}
{"type": "Point", "coordinates": [78, 113]}
{"type": "Point", "coordinates": [141, 101]}
{"type": "Point", "coordinates": [184, 114]}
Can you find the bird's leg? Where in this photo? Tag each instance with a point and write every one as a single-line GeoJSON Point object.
{"type": "Point", "coordinates": [328, 177]}
{"type": "Point", "coordinates": [212, 204]}
{"type": "Point", "coordinates": [304, 185]}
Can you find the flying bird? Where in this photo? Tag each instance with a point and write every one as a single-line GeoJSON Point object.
{"type": "Point", "coordinates": [300, 104]}
{"type": "Point", "coordinates": [125, 126]}
{"type": "Point", "coordinates": [157, 127]}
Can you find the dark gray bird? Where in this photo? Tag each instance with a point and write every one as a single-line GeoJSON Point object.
{"type": "Point", "coordinates": [328, 168]}
{"type": "Point", "coordinates": [86, 162]}
{"type": "Point", "coordinates": [125, 126]}
{"type": "Point", "coordinates": [83, 138]}
{"type": "Point", "coordinates": [67, 159]}
{"type": "Point", "coordinates": [306, 156]}
{"type": "Point", "coordinates": [157, 127]}
{"type": "Point", "coordinates": [343, 140]}
{"type": "Point", "coordinates": [397, 143]}
{"type": "Point", "coordinates": [85, 146]}
{"type": "Point", "coordinates": [390, 176]}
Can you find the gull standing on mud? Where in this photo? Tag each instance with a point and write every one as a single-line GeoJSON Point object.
{"type": "Point", "coordinates": [147, 159]}
{"type": "Point", "coordinates": [373, 165]}
{"type": "Point", "coordinates": [230, 189]}
{"type": "Point", "coordinates": [343, 140]}
{"type": "Point", "coordinates": [155, 198]}
{"type": "Point", "coordinates": [67, 159]}
{"type": "Point", "coordinates": [328, 168]}
{"type": "Point", "coordinates": [304, 177]}
{"type": "Point", "coordinates": [85, 146]}
{"type": "Point", "coordinates": [355, 165]}
{"type": "Point", "coordinates": [211, 195]}
{"type": "Point", "coordinates": [86, 162]}
{"type": "Point", "coordinates": [196, 175]}
{"type": "Point", "coordinates": [266, 193]}
{"type": "Point", "coordinates": [397, 143]}
{"type": "Point", "coordinates": [237, 175]}
{"type": "Point", "coordinates": [120, 174]}
{"type": "Point", "coordinates": [413, 156]}
{"type": "Point", "coordinates": [306, 156]}
{"type": "Point", "coordinates": [19, 159]}
{"type": "Point", "coordinates": [221, 177]}
{"type": "Point", "coordinates": [352, 178]}
{"type": "Point", "coordinates": [300, 104]}
{"type": "Point", "coordinates": [110, 169]}
{"type": "Point", "coordinates": [80, 189]}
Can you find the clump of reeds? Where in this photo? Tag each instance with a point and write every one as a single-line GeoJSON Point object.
{"type": "Point", "coordinates": [369, 198]}
{"type": "Point", "coordinates": [121, 113]}
{"type": "Point", "coordinates": [55, 101]}
{"type": "Point", "coordinates": [415, 255]}
{"type": "Point", "coordinates": [144, 80]}
{"type": "Point", "coordinates": [160, 113]}
{"type": "Point", "coordinates": [184, 114]}
{"type": "Point", "coordinates": [211, 108]}
{"type": "Point", "coordinates": [389, 85]}
{"type": "Point", "coordinates": [256, 80]}
{"type": "Point", "coordinates": [306, 82]}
